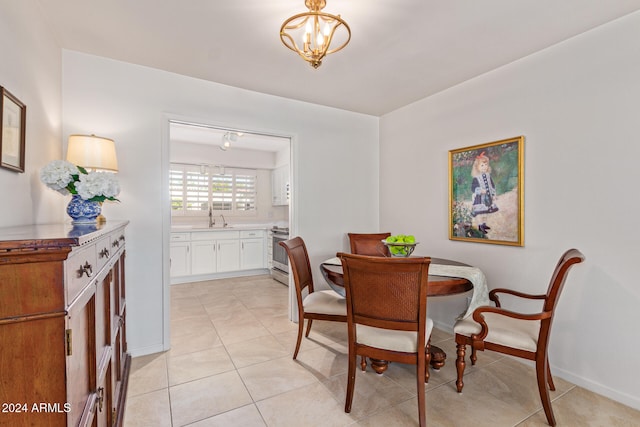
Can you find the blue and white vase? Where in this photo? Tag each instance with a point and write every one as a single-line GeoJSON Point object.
{"type": "Point", "coordinates": [83, 211]}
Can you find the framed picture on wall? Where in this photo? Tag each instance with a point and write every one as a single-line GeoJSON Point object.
{"type": "Point", "coordinates": [486, 193]}
{"type": "Point", "coordinates": [12, 131]}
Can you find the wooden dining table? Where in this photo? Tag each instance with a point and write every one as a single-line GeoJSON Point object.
{"type": "Point", "coordinates": [437, 286]}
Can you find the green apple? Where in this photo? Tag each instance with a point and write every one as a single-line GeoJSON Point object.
{"type": "Point", "coordinates": [391, 239]}
{"type": "Point", "coordinates": [410, 239]}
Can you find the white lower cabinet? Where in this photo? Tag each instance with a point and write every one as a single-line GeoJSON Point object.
{"type": "Point", "coordinates": [207, 252]}
{"type": "Point", "coordinates": [203, 257]}
{"type": "Point", "coordinates": [228, 255]}
{"type": "Point", "coordinates": [252, 254]}
{"type": "Point", "coordinates": [252, 249]}
{"type": "Point", "coordinates": [180, 254]}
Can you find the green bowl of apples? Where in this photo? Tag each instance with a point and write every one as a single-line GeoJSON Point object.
{"type": "Point", "coordinates": [400, 245]}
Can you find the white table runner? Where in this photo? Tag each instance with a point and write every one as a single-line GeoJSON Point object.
{"type": "Point", "coordinates": [480, 295]}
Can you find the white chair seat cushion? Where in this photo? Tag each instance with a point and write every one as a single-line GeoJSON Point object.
{"type": "Point", "coordinates": [325, 302]}
{"type": "Point", "coordinates": [503, 330]}
{"type": "Point", "coordinates": [387, 339]}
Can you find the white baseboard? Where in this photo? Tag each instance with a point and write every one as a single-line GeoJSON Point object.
{"type": "Point", "coordinates": [144, 351]}
{"type": "Point", "coordinates": [624, 398]}
{"type": "Point", "coordinates": [213, 276]}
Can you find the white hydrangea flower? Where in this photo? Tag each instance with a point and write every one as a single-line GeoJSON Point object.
{"type": "Point", "coordinates": [66, 178]}
{"type": "Point", "coordinates": [58, 174]}
{"type": "Point", "coordinates": [95, 184]}
{"type": "Point", "coordinates": [110, 185]}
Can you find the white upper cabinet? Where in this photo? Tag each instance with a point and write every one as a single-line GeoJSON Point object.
{"type": "Point", "coordinates": [280, 188]}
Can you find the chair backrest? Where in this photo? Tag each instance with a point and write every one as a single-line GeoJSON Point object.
{"type": "Point", "coordinates": [389, 293]}
{"type": "Point", "coordinates": [567, 260]}
{"type": "Point", "coordinates": [368, 244]}
{"type": "Point", "coordinates": [300, 266]}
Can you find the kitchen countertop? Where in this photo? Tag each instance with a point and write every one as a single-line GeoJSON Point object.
{"type": "Point", "coordinates": [197, 228]}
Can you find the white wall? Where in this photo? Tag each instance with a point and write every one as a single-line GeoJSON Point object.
{"type": "Point", "coordinates": [577, 105]}
{"type": "Point", "coordinates": [30, 69]}
{"type": "Point", "coordinates": [211, 154]}
{"type": "Point", "coordinates": [335, 178]}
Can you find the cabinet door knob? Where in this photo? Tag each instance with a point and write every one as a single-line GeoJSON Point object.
{"type": "Point", "coordinates": [104, 253]}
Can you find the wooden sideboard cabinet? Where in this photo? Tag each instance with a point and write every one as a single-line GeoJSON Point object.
{"type": "Point", "coordinates": [63, 343]}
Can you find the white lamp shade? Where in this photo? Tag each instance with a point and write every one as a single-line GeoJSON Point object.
{"type": "Point", "coordinates": [92, 152]}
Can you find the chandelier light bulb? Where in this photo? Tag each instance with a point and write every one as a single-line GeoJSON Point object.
{"type": "Point", "coordinates": [319, 40]}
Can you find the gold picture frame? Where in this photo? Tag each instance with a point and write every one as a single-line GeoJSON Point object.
{"type": "Point", "coordinates": [486, 193]}
{"type": "Point", "coordinates": [12, 131]}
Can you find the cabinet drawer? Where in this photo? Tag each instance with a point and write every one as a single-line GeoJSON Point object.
{"type": "Point", "coordinates": [253, 234]}
{"type": "Point", "coordinates": [117, 240]}
{"type": "Point", "coordinates": [214, 235]}
{"type": "Point", "coordinates": [103, 251]}
{"type": "Point", "coordinates": [179, 237]}
{"type": "Point", "coordinates": [81, 268]}
{"type": "Point", "coordinates": [29, 288]}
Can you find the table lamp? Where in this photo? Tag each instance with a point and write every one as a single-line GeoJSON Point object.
{"type": "Point", "coordinates": [93, 153]}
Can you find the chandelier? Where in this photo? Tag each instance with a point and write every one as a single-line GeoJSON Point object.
{"type": "Point", "coordinates": [314, 30]}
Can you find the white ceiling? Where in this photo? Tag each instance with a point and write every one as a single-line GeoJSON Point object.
{"type": "Point", "coordinates": [400, 50]}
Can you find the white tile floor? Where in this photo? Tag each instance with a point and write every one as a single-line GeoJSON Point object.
{"type": "Point", "coordinates": [230, 365]}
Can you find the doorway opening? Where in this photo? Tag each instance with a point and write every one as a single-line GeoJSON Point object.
{"type": "Point", "coordinates": [222, 177]}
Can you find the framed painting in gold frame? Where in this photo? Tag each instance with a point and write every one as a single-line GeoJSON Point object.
{"type": "Point", "coordinates": [12, 131]}
{"type": "Point", "coordinates": [486, 193]}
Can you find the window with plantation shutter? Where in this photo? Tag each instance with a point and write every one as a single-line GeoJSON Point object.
{"type": "Point", "coordinates": [176, 187]}
{"type": "Point", "coordinates": [246, 194]}
{"type": "Point", "coordinates": [222, 192]}
{"type": "Point", "coordinates": [230, 190]}
{"type": "Point", "coordinates": [197, 192]}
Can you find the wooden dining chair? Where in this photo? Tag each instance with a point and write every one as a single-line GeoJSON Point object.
{"type": "Point", "coordinates": [368, 244]}
{"type": "Point", "coordinates": [517, 334]}
{"type": "Point", "coordinates": [387, 315]}
{"type": "Point", "coordinates": [320, 305]}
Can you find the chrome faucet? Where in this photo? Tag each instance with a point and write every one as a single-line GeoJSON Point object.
{"type": "Point", "coordinates": [224, 221]}
{"type": "Point", "coordinates": [212, 220]}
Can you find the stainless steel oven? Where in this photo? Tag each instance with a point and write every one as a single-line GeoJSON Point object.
{"type": "Point", "coordinates": [280, 260]}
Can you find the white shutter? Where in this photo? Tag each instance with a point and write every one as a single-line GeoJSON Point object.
{"type": "Point", "coordinates": [176, 188]}
{"type": "Point", "coordinates": [197, 191]}
{"type": "Point", "coordinates": [222, 192]}
{"type": "Point", "coordinates": [245, 194]}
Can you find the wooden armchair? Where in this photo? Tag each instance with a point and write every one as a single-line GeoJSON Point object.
{"type": "Point", "coordinates": [368, 244]}
{"type": "Point", "coordinates": [321, 305]}
{"type": "Point", "coordinates": [516, 334]}
{"type": "Point", "coordinates": [387, 315]}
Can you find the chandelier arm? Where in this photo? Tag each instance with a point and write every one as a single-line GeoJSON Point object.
{"type": "Point", "coordinates": [293, 46]}
{"type": "Point", "coordinates": [330, 19]}
{"type": "Point", "coordinates": [333, 30]}
{"type": "Point", "coordinates": [305, 15]}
